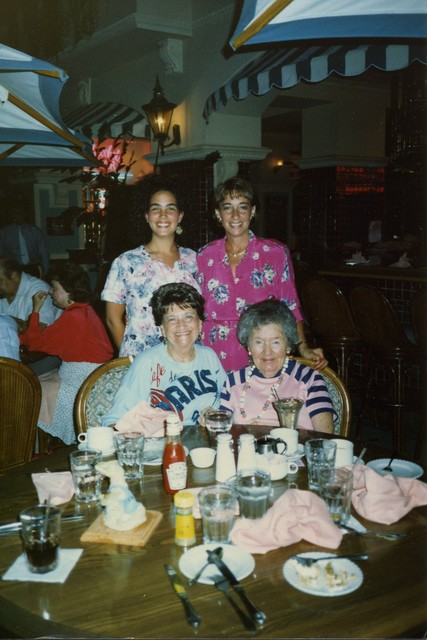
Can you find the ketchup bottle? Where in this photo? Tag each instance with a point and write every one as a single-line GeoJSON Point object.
{"type": "Point", "coordinates": [174, 461]}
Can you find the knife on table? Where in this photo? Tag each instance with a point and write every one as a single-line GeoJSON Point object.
{"type": "Point", "coordinates": [258, 616]}
{"type": "Point", "coordinates": [11, 527]}
{"type": "Point", "coordinates": [192, 616]}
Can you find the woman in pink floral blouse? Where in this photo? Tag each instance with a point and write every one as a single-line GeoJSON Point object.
{"type": "Point", "coordinates": [241, 269]}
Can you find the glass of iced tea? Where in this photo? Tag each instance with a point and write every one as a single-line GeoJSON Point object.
{"type": "Point", "coordinates": [41, 534]}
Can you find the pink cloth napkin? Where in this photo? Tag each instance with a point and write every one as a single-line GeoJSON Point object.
{"type": "Point", "coordinates": [145, 419]}
{"type": "Point", "coordinates": [296, 515]}
{"type": "Point", "coordinates": [385, 499]}
{"type": "Point", "coordinates": [56, 487]}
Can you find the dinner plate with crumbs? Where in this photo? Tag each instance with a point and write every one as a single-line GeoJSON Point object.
{"type": "Point", "coordinates": [400, 468]}
{"type": "Point", "coordinates": [327, 579]}
{"type": "Point", "coordinates": [239, 561]}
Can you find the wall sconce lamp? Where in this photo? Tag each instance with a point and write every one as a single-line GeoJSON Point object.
{"type": "Point", "coordinates": [159, 114]}
{"type": "Point", "coordinates": [279, 164]}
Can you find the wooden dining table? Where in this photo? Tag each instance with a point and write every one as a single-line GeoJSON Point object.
{"type": "Point", "coordinates": [120, 591]}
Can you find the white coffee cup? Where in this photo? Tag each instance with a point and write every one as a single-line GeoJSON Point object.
{"type": "Point", "coordinates": [98, 438]}
{"type": "Point", "coordinates": [290, 436]}
{"type": "Point", "coordinates": [344, 453]}
{"type": "Point", "coordinates": [278, 466]}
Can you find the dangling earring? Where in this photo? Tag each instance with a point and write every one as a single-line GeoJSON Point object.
{"type": "Point", "coordinates": [69, 299]}
{"type": "Point", "coordinates": [250, 358]}
{"type": "Point", "coordinates": [179, 230]}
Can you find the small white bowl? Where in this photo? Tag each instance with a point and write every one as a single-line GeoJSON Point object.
{"type": "Point", "coordinates": [202, 457]}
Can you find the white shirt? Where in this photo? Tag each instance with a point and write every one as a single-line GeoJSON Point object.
{"type": "Point", "coordinates": [22, 304]}
{"type": "Point", "coordinates": [9, 341]}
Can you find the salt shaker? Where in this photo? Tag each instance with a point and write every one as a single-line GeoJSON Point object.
{"type": "Point", "coordinates": [225, 463]}
{"type": "Point", "coordinates": [246, 458]}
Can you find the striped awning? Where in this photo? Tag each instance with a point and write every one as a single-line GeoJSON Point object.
{"type": "Point", "coordinates": [284, 68]}
{"type": "Point", "coordinates": [114, 119]}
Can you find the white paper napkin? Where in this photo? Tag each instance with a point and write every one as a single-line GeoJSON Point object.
{"type": "Point", "coordinates": [354, 524]}
{"type": "Point", "coordinates": [67, 559]}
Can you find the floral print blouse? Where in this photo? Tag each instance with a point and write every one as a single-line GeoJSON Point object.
{"type": "Point", "coordinates": [133, 278]}
{"type": "Point", "coordinates": [265, 271]}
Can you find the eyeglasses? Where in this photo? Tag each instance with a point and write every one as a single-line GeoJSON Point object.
{"type": "Point", "coordinates": [187, 318]}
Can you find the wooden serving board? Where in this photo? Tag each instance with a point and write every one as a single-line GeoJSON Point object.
{"type": "Point", "coordinates": [138, 537]}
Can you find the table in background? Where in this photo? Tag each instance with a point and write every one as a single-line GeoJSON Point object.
{"type": "Point", "coordinates": [124, 591]}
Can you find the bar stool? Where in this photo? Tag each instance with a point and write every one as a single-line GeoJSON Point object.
{"type": "Point", "coordinates": [381, 330]}
{"type": "Point", "coordinates": [331, 322]}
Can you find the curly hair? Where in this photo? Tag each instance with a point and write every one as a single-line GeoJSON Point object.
{"type": "Point", "coordinates": [153, 183]}
{"type": "Point", "coordinates": [270, 311]}
{"type": "Point", "coordinates": [179, 293]}
{"type": "Point", "coordinates": [73, 279]}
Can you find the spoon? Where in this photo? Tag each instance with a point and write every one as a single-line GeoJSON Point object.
{"type": "Point", "coordinates": [389, 467]}
{"type": "Point", "coordinates": [194, 579]}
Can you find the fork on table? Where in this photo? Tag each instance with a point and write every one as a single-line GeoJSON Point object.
{"type": "Point", "coordinates": [387, 535]}
{"type": "Point", "coordinates": [308, 562]}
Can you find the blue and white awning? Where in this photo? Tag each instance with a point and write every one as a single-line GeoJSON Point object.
{"type": "Point", "coordinates": [264, 22]}
{"type": "Point", "coordinates": [118, 120]}
{"type": "Point", "coordinates": [284, 68]}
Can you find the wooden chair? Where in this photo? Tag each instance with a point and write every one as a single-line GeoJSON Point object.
{"type": "Point", "coordinates": [97, 393]}
{"type": "Point", "coordinates": [331, 322]}
{"type": "Point", "coordinates": [339, 396]}
{"type": "Point", "coordinates": [20, 394]}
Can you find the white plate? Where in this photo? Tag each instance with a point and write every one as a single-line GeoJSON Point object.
{"type": "Point", "coordinates": [239, 561]}
{"type": "Point", "coordinates": [401, 468]}
{"type": "Point", "coordinates": [299, 453]}
{"type": "Point", "coordinates": [155, 462]}
{"type": "Point", "coordinates": [321, 588]}
{"type": "Point", "coordinates": [83, 446]}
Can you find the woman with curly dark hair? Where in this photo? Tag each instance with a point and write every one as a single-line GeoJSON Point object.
{"type": "Point", "coordinates": [78, 337]}
{"type": "Point", "coordinates": [136, 274]}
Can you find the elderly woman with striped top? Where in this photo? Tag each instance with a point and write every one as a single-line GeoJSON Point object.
{"type": "Point", "coordinates": [268, 331]}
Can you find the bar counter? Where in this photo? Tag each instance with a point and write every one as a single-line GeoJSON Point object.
{"type": "Point", "coordinates": [367, 272]}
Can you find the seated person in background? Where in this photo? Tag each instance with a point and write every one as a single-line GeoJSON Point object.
{"type": "Point", "coordinates": [9, 340]}
{"type": "Point", "coordinates": [16, 291]}
{"type": "Point", "coordinates": [24, 242]}
{"type": "Point", "coordinates": [78, 337]}
{"type": "Point", "coordinates": [178, 374]}
{"type": "Point", "coordinates": [268, 331]}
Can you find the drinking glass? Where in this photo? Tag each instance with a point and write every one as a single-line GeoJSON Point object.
{"type": "Point", "coordinates": [319, 453]}
{"type": "Point", "coordinates": [218, 508]}
{"type": "Point", "coordinates": [218, 421]}
{"type": "Point", "coordinates": [87, 479]}
{"type": "Point", "coordinates": [130, 453]}
{"type": "Point", "coordinates": [253, 488]}
{"type": "Point", "coordinates": [41, 532]}
{"type": "Point", "coordinates": [336, 486]}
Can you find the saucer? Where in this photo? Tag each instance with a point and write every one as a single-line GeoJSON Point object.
{"type": "Point", "coordinates": [400, 468]}
{"type": "Point", "coordinates": [239, 561]}
{"type": "Point", "coordinates": [296, 455]}
{"type": "Point", "coordinates": [108, 452]}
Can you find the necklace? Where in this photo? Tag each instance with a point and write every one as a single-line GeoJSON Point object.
{"type": "Point", "coordinates": [235, 255]}
{"type": "Point", "coordinates": [270, 398]}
